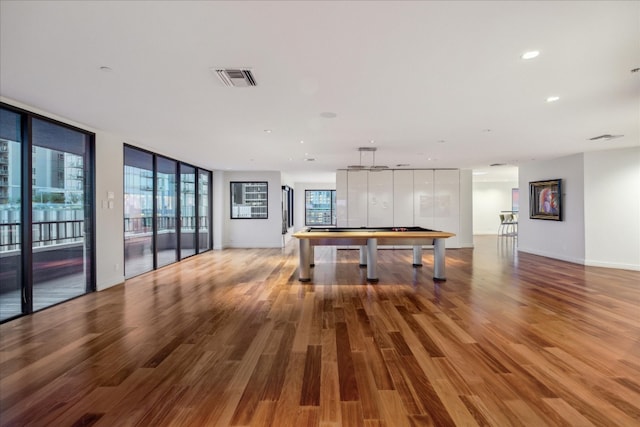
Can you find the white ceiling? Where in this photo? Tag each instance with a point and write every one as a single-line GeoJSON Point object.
{"type": "Point", "coordinates": [407, 75]}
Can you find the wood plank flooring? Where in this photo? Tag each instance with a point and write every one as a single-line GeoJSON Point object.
{"type": "Point", "coordinates": [231, 338]}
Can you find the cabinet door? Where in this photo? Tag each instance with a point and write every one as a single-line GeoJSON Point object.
{"type": "Point", "coordinates": [341, 198]}
{"type": "Point", "coordinates": [357, 184]}
{"type": "Point", "coordinates": [403, 198]}
{"type": "Point", "coordinates": [380, 199]}
{"type": "Point", "coordinates": [447, 204]}
{"type": "Point", "coordinates": [423, 198]}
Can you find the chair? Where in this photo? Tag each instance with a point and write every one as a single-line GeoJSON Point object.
{"type": "Point", "coordinates": [503, 224]}
{"type": "Point", "coordinates": [508, 225]}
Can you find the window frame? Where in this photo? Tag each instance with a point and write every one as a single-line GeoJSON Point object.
{"type": "Point", "coordinates": [232, 204]}
{"type": "Point", "coordinates": [332, 208]}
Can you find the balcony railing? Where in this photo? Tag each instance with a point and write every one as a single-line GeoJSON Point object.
{"type": "Point", "coordinates": [143, 225]}
{"type": "Point", "coordinates": [59, 232]}
{"type": "Point", "coordinates": [44, 233]}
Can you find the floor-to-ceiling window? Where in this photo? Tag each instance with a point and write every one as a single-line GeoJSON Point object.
{"type": "Point", "coordinates": [138, 212]}
{"type": "Point", "coordinates": [187, 210]}
{"type": "Point", "coordinates": [47, 247]}
{"type": "Point", "coordinates": [11, 292]}
{"type": "Point", "coordinates": [172, 225]}
{"type": "Point", "coordinates": [204, 210]}
{"type": "Point", "coordinates": [167, 208]}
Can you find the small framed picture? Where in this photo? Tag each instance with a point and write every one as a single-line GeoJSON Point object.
{"type": "Point", "coordinates": [545, 200]}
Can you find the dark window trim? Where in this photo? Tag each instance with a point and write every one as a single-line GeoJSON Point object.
{"type": "Point", "coordinates": [210, 208]}
{"type": "Point", "coordinates": [26, 216]}
{"type": "Point", "coordinates": [179, 164]}
{"type": "Point", "coordinates": [333, 196]}
{"type": "Point", "coordinates": [266, 183]}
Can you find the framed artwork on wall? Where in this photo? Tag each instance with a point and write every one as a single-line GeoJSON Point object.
{"type": "Point", "coordinates": [545, 200]}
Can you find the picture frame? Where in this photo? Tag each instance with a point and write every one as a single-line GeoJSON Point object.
{"type": "Point", "coordinates": [545, 200]}
{"type": "Point", "coordinates": [249, 199]}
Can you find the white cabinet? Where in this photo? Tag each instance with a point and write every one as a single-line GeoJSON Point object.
{"type": "Point", "coordinates": [357, 198]}
{"type": "Point", "coordinates": [402, 198]}
{"type": "Point", "coordinates": [447, 204]}
{"type": "Point", "coordinates": [423, 182]}
{"type": "Point", "coordinates": [380, 198]}
{"type": "Point", "coordinates": [341, 198]}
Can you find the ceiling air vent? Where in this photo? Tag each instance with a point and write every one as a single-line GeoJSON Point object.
{"type": "Point", "coordinates": [236, 77]}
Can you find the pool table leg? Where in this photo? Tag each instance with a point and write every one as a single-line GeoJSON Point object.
{"type": "Point", "coordinates": [363, 256]}
{"type": "Point", "coordinates": [417, 256]}
{"type": "Point", "coordinates": [304, 274]}
{"type": "Point", "coordinates": [312, 255]}
{"type": "Point", "coordinates": [372, 260]}
{"type": "Point", "coordinates": [438, 260]}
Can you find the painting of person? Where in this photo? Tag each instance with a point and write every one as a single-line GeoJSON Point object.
{"type": "Point", "coordinates": [547, 201]}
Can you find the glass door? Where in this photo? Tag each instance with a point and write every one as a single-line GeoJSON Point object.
{"type": "Point", "coordinates": [204, 210]}
{"type": "Point", "coordinates": [167, 211]}
{"type": "Point", "coordinates": [187, 210]}
{"type": "Point", "coordinates": [11, 292]}
{"type": "Point", "coordinates": [138, 212]}
{"type": "Point", "coordinates": [47, 213]}
{"type": "Point", "coordinates": [62, 214]}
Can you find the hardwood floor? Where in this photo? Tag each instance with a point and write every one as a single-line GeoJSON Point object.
{"type": "Point", "coordinates": [232, 338]}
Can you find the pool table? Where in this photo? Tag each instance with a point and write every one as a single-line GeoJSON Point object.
{"type": "Point", "coordinates": [368, 238]}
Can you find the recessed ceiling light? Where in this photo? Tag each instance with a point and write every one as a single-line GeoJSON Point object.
{"type": "Point", "coordinates": [328, 115]}
{"type": "Point", "coordinates": [267, 131]}
{"type": "Point", "coordinates": [105, 68]}
{"type": "Point", "coordinates": [372, 141]}
{"type": "Point", "coordinates": [441, 141]}
{"type": "Point", "coordinates": [530, 55]}
{"type": "Point", "coordinates": [301, 142]}
{"type": "Point", "coordinates": [553, 98]}
{"type": "Point", "coordinates": [402, 165]}
{"type": "Point", "coordinates": [309, 159]}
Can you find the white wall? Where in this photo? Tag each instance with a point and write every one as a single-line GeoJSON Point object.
{"type": "Point", "coordinates": [612, 208]}
{"type": "Point", "coordinates": [110, 223]}
{"type": "Point", "coordinates": [556, 239]}
{"type": "Point", "coordinates": [489, 198]}
{"type": "Point", "coordinates": [254, 233]}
